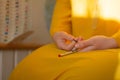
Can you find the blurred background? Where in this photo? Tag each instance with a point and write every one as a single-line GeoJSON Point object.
{"type": "Point", "coordinates": [41, 15]}
{"type": "Point", "coordinates": [41, 18]}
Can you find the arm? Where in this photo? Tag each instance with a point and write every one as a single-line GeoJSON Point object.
{"type": "Point", "coordinates": [61, 25]}
{"type": "Point", "coordinates": [61, 20]}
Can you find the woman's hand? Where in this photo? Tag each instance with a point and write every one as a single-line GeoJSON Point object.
{"type": "Point", "coordinates": [96, 43]}
{"type": "Point", "coordinates": [62, 38]}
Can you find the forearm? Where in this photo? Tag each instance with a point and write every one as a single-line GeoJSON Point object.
{"type": "Point", "coordinates": [61, 21]}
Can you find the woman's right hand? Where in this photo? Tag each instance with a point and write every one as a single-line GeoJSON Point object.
{"type": "Point", "coordinates": [64, 40]}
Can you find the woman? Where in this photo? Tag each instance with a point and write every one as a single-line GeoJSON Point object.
{"type": "Point", "coordinates": [86, 27]}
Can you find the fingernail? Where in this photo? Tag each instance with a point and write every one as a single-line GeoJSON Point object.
{"type": "Point", "coordinates": [76, 45]}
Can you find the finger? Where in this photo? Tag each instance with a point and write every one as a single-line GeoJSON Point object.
{"type": "Point", "coordinates": [80, 39]}
{"type": "Point", "coordinates": [83, 44]}
{"type": "Point", "coordinates": [89, 48]}
{"type": "Point", "coordinates": [70, 46]}
{"type": "Point", "coordinates": [61, 43]}
{"type": "Point", "coordinates": [69, 37]}
{"type": "Point", "coordinates": [79, 45]}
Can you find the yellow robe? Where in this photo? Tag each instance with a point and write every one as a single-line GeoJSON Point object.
{"type": "Point", "coordinates": [44, 63]}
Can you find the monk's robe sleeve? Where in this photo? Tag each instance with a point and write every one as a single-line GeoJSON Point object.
{"type": "Point", "coordinates": [61, 19]}
{"type": "Point", "coordinates": [116, 36]}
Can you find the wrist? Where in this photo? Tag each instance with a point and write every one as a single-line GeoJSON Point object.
{"type": "Point", "coordinates": [113, 42]}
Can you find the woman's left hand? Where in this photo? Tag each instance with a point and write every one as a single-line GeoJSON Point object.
{"type": "Point", "coordinates": [96, 43]}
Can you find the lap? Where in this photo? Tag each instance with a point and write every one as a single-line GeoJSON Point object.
{"type": "Point", "coordinates": [44, 64]}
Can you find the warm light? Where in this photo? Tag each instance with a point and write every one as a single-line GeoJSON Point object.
{"type": "Point", "coordinates": [79, 7]}
{"type": "Point", "coordinates": [109, 9]}
{"type": "Point", "coordinates": [106, 9]}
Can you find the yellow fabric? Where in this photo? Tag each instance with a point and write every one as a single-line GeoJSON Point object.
{"type": "Point", "coordinates": [62, 17]}
{"type": "Point", "coordinates": [44, 63]}
{"type": "Point", "coordinates": [66, 18]}
{"type": "Point", "coordinates": [117, 73]}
